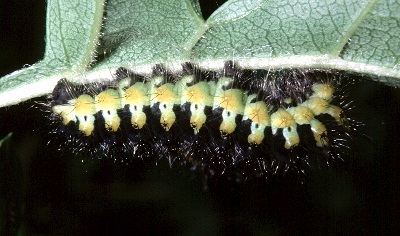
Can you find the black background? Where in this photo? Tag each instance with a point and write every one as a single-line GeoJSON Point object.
{"type": "Point", "coordinates": [60, 194]}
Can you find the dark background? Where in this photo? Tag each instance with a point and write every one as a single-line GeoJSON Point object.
{"type": "Point", "coordinates": [52, 192]}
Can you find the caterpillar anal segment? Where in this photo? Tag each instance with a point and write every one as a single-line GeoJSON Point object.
{"type": "Point", "coordinates": [199, 104]}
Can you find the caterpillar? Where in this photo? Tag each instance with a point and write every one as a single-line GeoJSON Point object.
{"type": "Point", "coordinates": [236, 121]}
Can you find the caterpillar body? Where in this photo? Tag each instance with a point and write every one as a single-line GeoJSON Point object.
{"type": "Point", "coordinates": [233, 121]}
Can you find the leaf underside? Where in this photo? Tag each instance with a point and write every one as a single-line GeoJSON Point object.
{"type": "Point", "coordinates": [87, 40]}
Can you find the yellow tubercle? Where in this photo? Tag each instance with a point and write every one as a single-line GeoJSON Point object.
{"type": "Point", "coordinates": [281, 119]}
{"type": "Point", "coordinates": [108, 99]}
{"type": "Point", "coordinates": [136, 94]}
{"type": "Point", "coordinates": [324, 91]}
{"type": "Point", "coordinates": [84, 105]}
{"type": "Point", "coordinates": [301, 114]}
{"type": "Point", "coordinates": [165, 93]}
{"type": "Point", "coordinates": [257, 112]}
{"type": "Point", "coordinates": [288, 100]}
{"type": "Point", "coordinates": [231, 100]}
{"type": "Point", "coordinates": [317, 105]}
{"type": "Point", "coordinates": [198, 93]}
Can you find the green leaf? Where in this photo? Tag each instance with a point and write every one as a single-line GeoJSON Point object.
{"type": "Point", "coordinates": [357, 36]}
{"type": "Point", "coordinates": [360, 36]}
{"type": "Point", "coordinates": [72, 34]}
{"type": "Point", "coordinates": [377, 40]}
{"type": "Point", "coordinates": [148, 32]}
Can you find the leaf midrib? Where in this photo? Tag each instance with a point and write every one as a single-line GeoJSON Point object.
{"type": "Point", "coordinates": [353, 27]}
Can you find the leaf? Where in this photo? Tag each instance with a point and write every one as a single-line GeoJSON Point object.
{"type": "Point", "coordinates": [377, 40]}
{"type": "Point", "coordinates": [148, 32]}
{"type": "Point", "coordinates": [345, 35]}
{"type": "Point", "coordinates": [72, 34]}
{"type": "Point", "coordinates": [360, 36]}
